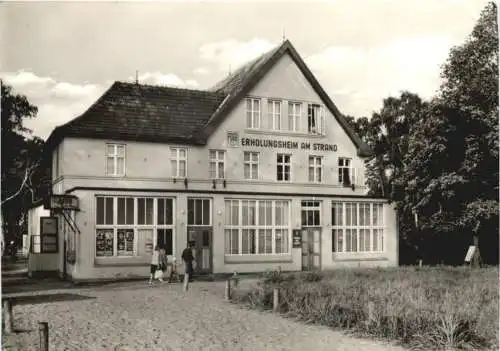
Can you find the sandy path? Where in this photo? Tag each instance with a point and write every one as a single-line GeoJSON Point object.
{"type": "Point", "coordinates": [138, 317]}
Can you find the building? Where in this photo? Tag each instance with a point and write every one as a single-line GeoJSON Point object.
{"type": "Point", "coordinates": [261, 171]}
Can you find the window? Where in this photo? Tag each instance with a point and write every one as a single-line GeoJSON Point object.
{"type": "Point", "coordinates": [124, 222]}
{"type": "Point", "coordinates": [199, 212]}
{"type": "Point", "coordinates": [315, 168]}
{"type": "Point", "coordinates": [311, 213]}
{"type": "Point", "coordinates": [315, 119]}
{"type": "Point", "coordinates": [55, 169]}
{"type": "Point", "coordinates": [294, 115]}
{"type": "Point", "coordinates": [115, 159]}
{"type": "Point", "coordinates": [357, 227]}
{"type": "Point", "coordinates": [251, 165]}
{"type": "Point", "coordinates": [257, 227]}
{"type": "Point", "coordinates": [216, 169]}
{"type": "Point", "coordinates": [178, 160]}
{"type": "Point", "coordinates": [346, 173]}
{"type": "Point", "coordinates": [283, 168]}
{"type": "Point", "coordinates": [253, 113]}
{"type": "Point", "coordinates": [274, 114]}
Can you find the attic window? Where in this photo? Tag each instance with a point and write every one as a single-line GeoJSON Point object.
{"type": "Point", "coordinates": [315, 119]}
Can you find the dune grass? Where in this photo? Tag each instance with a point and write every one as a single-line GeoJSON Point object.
{"type": "Point", "coordinates": [423, 308]}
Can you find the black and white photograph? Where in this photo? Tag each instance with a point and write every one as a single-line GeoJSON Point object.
{"type": "Point", "coordinates": [250, 175]}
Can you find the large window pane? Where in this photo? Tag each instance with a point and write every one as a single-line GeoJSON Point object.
{"type": "Point", "coordinates": [206, 212]}
{"type": "Point", "coordinates": [248, 241]}
{"type": "Point", "coordinates": [109, 218]}
{"type": "Point", "coordinates": [164, 240]}
{"type": "Point", "coordinates": [265, 241]}
{"type": "Point", "coordinates": [281, 241]}
{"type": "Point", "coordinates": [100, 210]}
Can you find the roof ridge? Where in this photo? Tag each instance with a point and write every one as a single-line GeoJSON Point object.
{"type": "Point", "coordinates": [165, 87]}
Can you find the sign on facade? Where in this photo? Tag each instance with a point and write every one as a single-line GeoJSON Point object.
{"type": "Point", "coordinates": [287, 144]}
{"type": "Point", "coordinates": [296, 238]}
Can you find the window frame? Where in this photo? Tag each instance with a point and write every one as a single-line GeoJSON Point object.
{"type": "Point", "coordinates": [310, 206]}
{"type": "Point", "coordinates": [284, 164]}
{"type": "Point", "coordinates": [250, 163]}
{"type": "Point", "coordinates": [376, 232]}
{"type": "Point", "coordinates": [217, 161]}
{"type": "Point", "coordinates": [316, 113]}
{"type": "Point", "coordinates": [257, 226]}
{"type": "Point", "coordinates": [136, 227]}
{"type": "Point", "coordinates": [317, 169]}
{"type": "Point", "coordinates": [274, 118]}
{"type": "Point", "coordinates": [178, 159]}
{"type": "Point", "coordinates": [253, 114]}
{"type": "Point", "coordinates": [294, 118]}
{"type": "Point", "coordinates": [115, 156]}
{"type": "Point", "coordinates": [351, 171]}
{"type": "Point", "coordinates": [210, 210]}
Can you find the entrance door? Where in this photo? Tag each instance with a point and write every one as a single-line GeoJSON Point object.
{"type": "Point", "coordinates": [202, 239]}
{"type": "Point", "coordinates": [311, 249]}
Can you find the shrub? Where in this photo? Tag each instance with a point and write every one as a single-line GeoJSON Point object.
{"type": "Point", "coordinates": [424, 308]}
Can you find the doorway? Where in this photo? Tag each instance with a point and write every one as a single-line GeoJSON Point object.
{"type": "Point", "coordinates": [202, 240]}
{"type": "Point", "coordinates": [311, 249]}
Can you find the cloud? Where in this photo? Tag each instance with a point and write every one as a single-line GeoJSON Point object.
{"type": "Point", "coordinates": [57, 102]}
{"type": "Point", "coordinates": [234, 53]}
{"type": "Point", "coordinates": [169, 79]}
{"type": "Point", "coordinates": [361, 77]}
{"type": "Point", "coordinates": [201, 71]}
{"type": "Point", "coordinates": [24, 78]}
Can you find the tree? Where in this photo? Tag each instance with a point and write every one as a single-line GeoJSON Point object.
{"type": "Point", "coordinates": [450, 176]}
{"type": "Point", "coordinates": [22, 171]}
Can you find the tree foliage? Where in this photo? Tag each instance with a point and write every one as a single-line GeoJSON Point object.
{"type": "Point", "coordinates": [24, 178]}
{"type": "Point", "coordinates": [442, 155]}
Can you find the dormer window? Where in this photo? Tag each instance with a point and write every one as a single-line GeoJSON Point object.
{"type": "Point", "coordinates": [315, 119]}
{"type": "Point", "coordinates": [253, 113]}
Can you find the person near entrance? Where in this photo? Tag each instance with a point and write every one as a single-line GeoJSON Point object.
{"type": "Point", "coordinates": [155, 265]}
{"type": "Point", "coordinates": [188, 258]}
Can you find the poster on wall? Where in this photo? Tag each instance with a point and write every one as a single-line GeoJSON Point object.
{"type": "Point", "coordinates": [125, 242]}
{"type": "Point", "coordinates": [104, 242]}
{"type": "Point", "coordinates": [48, 225]}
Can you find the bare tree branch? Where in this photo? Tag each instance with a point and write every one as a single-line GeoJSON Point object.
{"type": "Point", "coordinates": [27, 176]}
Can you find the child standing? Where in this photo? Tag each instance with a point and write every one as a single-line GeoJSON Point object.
{"type": "Point", "coordinates": [154, 264]}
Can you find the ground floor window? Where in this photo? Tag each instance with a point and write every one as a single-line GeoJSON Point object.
{"type": "Point", "coordinates": [257, 227]}
{"type": "Point", "coordinates": [131, 226]}
{"type": "Point", "coordinates": [357, 227]}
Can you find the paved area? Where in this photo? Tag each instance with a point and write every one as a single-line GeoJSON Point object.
{"type": "Point", "coordinates": [133, 316]}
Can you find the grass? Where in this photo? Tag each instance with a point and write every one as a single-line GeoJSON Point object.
{"type": "Point", "coordinates": [423, 308]}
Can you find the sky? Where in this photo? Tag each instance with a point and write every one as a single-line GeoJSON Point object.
{"type": "Point", "coordinates": [63, 55]}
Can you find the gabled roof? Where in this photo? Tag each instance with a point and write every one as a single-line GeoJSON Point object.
{"type": "Point", "coordinates": [241, 83]}
{"type": "Point", "coordinates": [129, 111]}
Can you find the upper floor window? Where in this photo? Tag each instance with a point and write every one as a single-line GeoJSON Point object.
{"type": "Point", "coordinates": [115, 159]}
{"type": "Point", "coordinates": [315, 168]}
{"type": "Point", "coordinates": [274, 114]}
{"type": "Point", "coordinates": [294, 115]}
{"type": "Point", "coordinates": [283, 168]}
{"type": "Point", "coordinates": [178, 160]}
{"type": "Point", "coordinates": [253, 113]}
{"type": "Point", "coordinates": [251, 165]}
{"type": "Point", "coordinates": [346, 173]}
{"type": "Point", "coordinates": [216, 164]}
{"type": "Point", "coordinates": [315, 119]}
{"type": "Point", "coordinates": [55, 163]}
